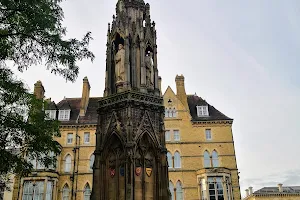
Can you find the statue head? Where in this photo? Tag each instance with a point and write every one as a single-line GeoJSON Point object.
{"type": "Point", "coordinates": [121, 46]}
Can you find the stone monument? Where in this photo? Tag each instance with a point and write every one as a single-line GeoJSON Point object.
{"type": "Point", "coordinates": [131, 155]}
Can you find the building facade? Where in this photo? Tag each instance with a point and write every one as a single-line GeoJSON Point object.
{"type": "Point", "coordinates": [201, 155]}
{"type": "Point", "coordinates": [274, 193]}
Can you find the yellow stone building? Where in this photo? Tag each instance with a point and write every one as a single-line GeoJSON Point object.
{"type": "Point", "coordinates": [201, 154]}
{"type": "Point", "coordinates": [274, 193]}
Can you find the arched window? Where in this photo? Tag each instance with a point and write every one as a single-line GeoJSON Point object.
{"type": "Point", "coordinates": [215, 159]}
{"type": "Point", "coordinates": [68, 163]}
{"type": "Point", "coordinates": [171, 187]}
{"type": "Point", "coordinates": [170, 160]}
{"type": "Point", "coordinates": [177, 160]}
{"type": "Point", "coordinates": [87, 192]}
{"type": "Point", "coordinates": [206, 159]}
{"type": "Point", "coordinates": [179, 193]}
{"type": "Point", "coordinates": [92, 159]}
{"type": "Point", "coordinates": [174, 113]}
{"type": "Point", "coordinates": [66, 192]}
{"type": "Point", "coordinates": [166, 112]}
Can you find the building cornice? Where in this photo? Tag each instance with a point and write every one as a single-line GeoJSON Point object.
{"type": "Point", "coordinates": [210, 122]}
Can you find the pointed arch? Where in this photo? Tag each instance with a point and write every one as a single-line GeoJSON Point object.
{"type": "Point", "coordinates": [177, 160]}
{"type": "Point", "coordinates": [87, 192]}
{"type": "Point", "coordinates": [66, 192]}
{"type": "Point", "coordinates": [171, 188]}
{"type": "Point", "coordinates": [170, 160]}
{"type": "Point", "coordinates": [215, 158]}
{"type": "Point", "coordinates": [68, 163]}
{"type": "Point", "coordinates": [206, 159]}
{"type": "Point", "coordinates": [179, 192]}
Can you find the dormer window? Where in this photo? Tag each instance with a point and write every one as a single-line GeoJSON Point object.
{"type": "Point", "coordinates": [51, 114]}
{"type": "Point", "coordinates": [202, 111]}
{"type": "Point", "coordinates": [64, 115]}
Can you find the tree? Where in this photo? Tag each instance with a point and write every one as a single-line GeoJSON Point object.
{"type": "Point", "coordinates": [31, 32]}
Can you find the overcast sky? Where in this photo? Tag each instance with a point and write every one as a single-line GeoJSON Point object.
{"type": "Point", "coordinates": [241, 56]}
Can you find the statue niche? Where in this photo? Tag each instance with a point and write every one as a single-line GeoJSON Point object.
{"type": "Point", "coordinates": [149, 68]}
{"type": "Point", "coordinates": [120, 64]}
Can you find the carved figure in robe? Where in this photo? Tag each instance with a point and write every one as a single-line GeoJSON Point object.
{"type": "Point", "coordinates": [120, 64]}
{"type": "Point", "coordinates": [149, 68]}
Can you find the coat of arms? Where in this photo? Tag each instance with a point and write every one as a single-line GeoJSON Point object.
{"type": "Point", "coordinates": [112, 172]}
{"type": "Point", "coordinates": [122, 171]}
{"type": "Point", "coordinates": [149, 171]}
{"type": "Point", "coordinates": [138, 171]}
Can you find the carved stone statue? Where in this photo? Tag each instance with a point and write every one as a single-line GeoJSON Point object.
{"type": "Point", "coordinates": [120, 64]}
{"type": "Point", "coordinates": [149, 68]}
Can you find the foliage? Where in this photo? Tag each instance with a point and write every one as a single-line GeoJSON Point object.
{"type": "Point", "coordinates": [31, 32]}
{"type": "Point", "coordinates": [23, 127]}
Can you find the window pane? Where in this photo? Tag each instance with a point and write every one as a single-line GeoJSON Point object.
{"type": "Point", "coordinates": [28, 190]}
{"type": "Point", "coordinates": [176, 135]}
{"type": "Point", "coordinates": [70, 138]}
{"type": "Point", "coordinates": [177, 160]}
{"type": "Point", "coordinates": [66, 192]}
{"type": "Point", "coordinates": [215, 159]}
{"type": "Point", "coordinates": [208, 134]}
{"type": "Point", "coordinates": [170, 160]}
{"type": "Point", "coordinates": [168, 136]}
{"type": "Point", "coordinates": [49, 190]}
{"type": "Point", "coordinates": [87, 192]}
{"type": "Point", "coordinates": [68, 163]}
{"type": "Point", "coordinates": [38, 190]}
{"type": "Point", "coordinates": [86, 137]}
{"type": "Point", "coordinates": [92, 160]}
{"type": "Point", "coordinates": [179, 192]}
{"type": "Point", "coordinates": [171, 187]}
{"type": "Point", "coordinates": [206, 159]}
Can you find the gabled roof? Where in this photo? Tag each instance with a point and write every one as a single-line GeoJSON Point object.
{"type": "Point", "coordinates": [51, 106]}
{"type": "Point", "coordinates": [275, 190]}
{"type": "Point", "coordinates": [214, 114]}
{"type": "Point", "coordinates": [74, 105]}
{"type": "Point", "coordinates": [64, 105]}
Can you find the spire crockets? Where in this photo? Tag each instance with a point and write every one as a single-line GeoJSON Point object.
{"type": "Point", "coordinates": [131, 50]}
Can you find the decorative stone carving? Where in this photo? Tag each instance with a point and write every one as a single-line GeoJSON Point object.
{"type": "Point", "coordinates": [149, 69]}
{"type": "Point", "coordinates": [120, 64]}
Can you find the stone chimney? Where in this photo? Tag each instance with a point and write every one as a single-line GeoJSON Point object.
{"type": "Point", "coordinates": [39, 90]}
{"type": "Point", "coordinates": [280, 187]}
{"type": "Point", "coordinates": [251, 190]}
{"type": "Point", "coordinates": [159, 85]}
{"type": "Point", "coordinates": [181, 94]}
{"type": "Point", "coordinates": [85, 96]}
{"type": "Point", "coordinates": [247, 192]}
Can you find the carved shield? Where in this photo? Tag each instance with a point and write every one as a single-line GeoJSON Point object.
{"type": "Point", "coordinates": [122, 171]}
{"type": "Point", "coordinates": [149, 171]}
{"type": "Point", "coordinates": [138, 171]}
{"type": "Point", "coordinates": [112, 172]}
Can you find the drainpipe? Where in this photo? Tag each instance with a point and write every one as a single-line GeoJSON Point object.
{"type": "Point", "coordinates": [73, 194]}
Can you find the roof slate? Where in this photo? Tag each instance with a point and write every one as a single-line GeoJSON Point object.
{"type": "Point", "coordinates": [74, 104]}
{"type": "Point", "coordinates": [214, 114]}
{"type": "Point", "coordinates": [275, 190]}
